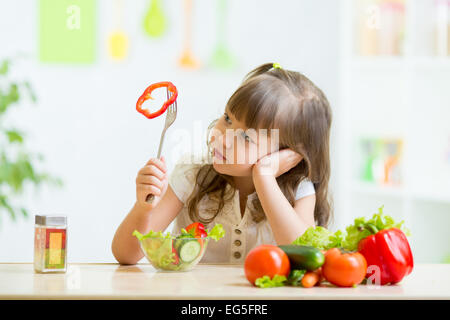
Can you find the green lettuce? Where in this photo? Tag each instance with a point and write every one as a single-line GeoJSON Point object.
{"type": "Point", "coordinates": [163, 255]}
{"type": "Point", "coordinates": [152, 234]}
{"type": "Point", "coordinates": [324, 239]}
{"type": "Point", "coordinates": [217, 232]}
{"type": "Point", "coordinates": [294, 279]}
{"type": "Point", "coordinates": [266, 282]}
{"type": "Point", "coordinates": [362, 228]}
{"type": "Point", "coordinates": [320, 238]}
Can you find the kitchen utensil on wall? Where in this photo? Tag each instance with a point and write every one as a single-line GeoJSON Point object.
{"type": "Point", "coordinates": [222, 57]}
{"type": "Point", "coordinates": [187, 59]}
{"type": "Point", "coordinates": [155, 21]}
{"type": "Point", "coordinates": [118, 40]}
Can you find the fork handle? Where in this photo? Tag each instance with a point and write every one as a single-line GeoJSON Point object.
{"type": "Point", "coordinates": [151, 197]}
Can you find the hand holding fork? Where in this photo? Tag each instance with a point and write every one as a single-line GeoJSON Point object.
{"type": "Point", "coordinates": [151, 182]}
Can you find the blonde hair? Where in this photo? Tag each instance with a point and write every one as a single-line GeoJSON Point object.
{"type": "Point", "coordinates": [276, 98]}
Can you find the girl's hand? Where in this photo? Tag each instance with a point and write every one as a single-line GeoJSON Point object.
{"type": "Point", "coordinates": [151, 179]}
{"type": "Point", "coordinates": [277, 163]}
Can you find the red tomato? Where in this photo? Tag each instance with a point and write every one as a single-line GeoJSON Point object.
{"type": "Point", "coordinates": [344, 269]}
{"type": "Point", "coordinates": [266, 260]}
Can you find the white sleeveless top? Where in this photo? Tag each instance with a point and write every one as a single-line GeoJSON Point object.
{"type": "Point", "coordinates": [242, 233]}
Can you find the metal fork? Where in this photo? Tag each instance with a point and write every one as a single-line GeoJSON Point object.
{"type": "Point", "coordinates": [171, 115]}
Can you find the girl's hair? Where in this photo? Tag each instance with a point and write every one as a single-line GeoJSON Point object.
{"type": "Point", "coordinates": [275, 98]}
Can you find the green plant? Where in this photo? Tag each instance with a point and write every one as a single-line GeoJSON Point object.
{"type": "Point", "coordinates": [17, 165]}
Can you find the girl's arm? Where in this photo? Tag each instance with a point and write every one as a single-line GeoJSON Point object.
{"type": "Point", "coordinates": [125, 246]}
{"type": "Point", "coordinates": [287, 222]}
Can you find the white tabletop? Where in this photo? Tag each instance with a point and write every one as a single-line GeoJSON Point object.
{"type": "Point", "coordinates": [142, 281]}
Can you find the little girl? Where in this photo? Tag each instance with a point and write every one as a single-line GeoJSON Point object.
{"type": "Point", "coordinates": [265, 177]}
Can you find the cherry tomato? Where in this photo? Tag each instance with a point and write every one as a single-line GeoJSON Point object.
{"type": "Point", "coordinates": [344, 269]}
{"type": "Point", "coordinates": [266, 260]}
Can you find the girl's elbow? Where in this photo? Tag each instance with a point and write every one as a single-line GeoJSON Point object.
{"type": "Point", "coordinates": [125, 260]}
{"type": "Point", "coordinates": [121, 259]}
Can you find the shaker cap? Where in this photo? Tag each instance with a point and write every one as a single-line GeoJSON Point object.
{"type": "Point", "coordinates": [50, 220]}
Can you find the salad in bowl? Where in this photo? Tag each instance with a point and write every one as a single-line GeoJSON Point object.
{"type": "Point", "coordinates": [178, 253]}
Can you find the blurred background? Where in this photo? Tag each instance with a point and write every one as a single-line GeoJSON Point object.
{"type": "Point", "coordinates": [71, 141]}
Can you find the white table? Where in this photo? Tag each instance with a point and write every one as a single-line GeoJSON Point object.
{"type": "Point", "coordinates": [142, 281]}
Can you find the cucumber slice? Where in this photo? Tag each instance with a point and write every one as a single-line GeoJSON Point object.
{"type": "Point", "coordinates": [190, 250]}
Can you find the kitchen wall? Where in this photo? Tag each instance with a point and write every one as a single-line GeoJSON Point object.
{"type": "Point", "coordinates": [85, 124]}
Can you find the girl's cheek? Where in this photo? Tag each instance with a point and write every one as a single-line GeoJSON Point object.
{"type": "Point", "coordinates": [217, 130]}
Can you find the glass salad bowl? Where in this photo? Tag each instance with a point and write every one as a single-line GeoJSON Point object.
{"type": "Point", "coordinates": [172, 254]}
{"type": "Point", "coordinates": [178, 253]}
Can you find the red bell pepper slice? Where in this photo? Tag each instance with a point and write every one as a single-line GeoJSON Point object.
{"type": "Point", "coordinates": [175, 256]}
{"type": "Point", "coordinates": [147, 95]}
{"type": "Point", "coordinates": [390, 251]}
{"type": "Point", "coordinates": [198, 230]}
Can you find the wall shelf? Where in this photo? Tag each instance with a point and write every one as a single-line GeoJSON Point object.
{"type": "Point", "coordinates": [395, 63]}
{"type": "Point", "coordinates": [407, 96]}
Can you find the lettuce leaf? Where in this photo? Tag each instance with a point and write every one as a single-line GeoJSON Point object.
{"type": "Point", "coordinates": [164, 255]}
{"type": "Point", "coordinates": [186, 234]}
{"type": "Point", "coordinates": [217, 232]}
{"type": "Point", "coordinates": [151, 234]}
{"type": "Point", "coordinates": [320, 238]}
{"type": "Point", "coordinates": [324, 239]}
{"type": "Point", "coordinates": [362, 228]}
{"type": "Point", "coordinates": [266, 282]}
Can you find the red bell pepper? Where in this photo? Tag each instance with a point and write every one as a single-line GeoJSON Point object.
{"type": "Point", "coordinates": [146, 95]}
{"type": "Point", "coordinates": [175, 256]}
{"type": "Point", "coordinates": [197, 229]}
{"type": "Point", "coordinates": [389, 250]}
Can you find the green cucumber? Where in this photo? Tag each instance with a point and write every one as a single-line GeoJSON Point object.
{"type": "Point", "coordinates": [190, 250]}
{"type": "Point", "coordinates": [303, 257]}
{"type": "Point", "coordinates": [178, 243]}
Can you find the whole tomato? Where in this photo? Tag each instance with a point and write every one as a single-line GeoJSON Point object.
{"type": "Point", "coordinates": [344, 269]}
{"type": "Point", "coordinates": [266, 260]}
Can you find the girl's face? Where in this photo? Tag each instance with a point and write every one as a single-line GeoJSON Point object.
{"type": "Point", "coordinates": [236, 148]}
